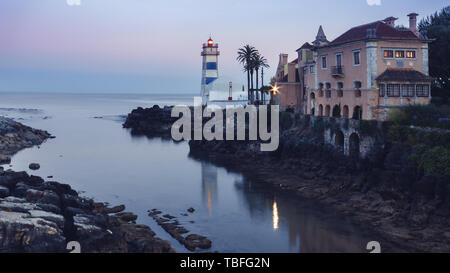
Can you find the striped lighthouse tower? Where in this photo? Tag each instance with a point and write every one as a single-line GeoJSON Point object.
{"type": "Point", "coordinates": [210, 71]}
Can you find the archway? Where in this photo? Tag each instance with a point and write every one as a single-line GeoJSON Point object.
{"type": "Point", "coordinates": [321, 110]}
{"type": "Point", "coordinates": [339, 141]}
{"type": "Point", "coordinates": [337, 111]}
{"type": "Point", "coordinates": [354, 145]}
{"type": "Point", "coordinates": [357, 113]}
{"type": "Point", "coordinates": [313, 103]}
{"type": "Point", "coordinates": [345, 111]}
{"type": "Point", "coordinates": [327, 111]}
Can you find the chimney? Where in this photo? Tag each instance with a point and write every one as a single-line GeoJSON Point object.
{"type": "Point", "coordinates": [283, 59]}
{"type": "Point", "coordinates": [413, 23]}
{"type": "Point", "coordinates": [390, 21]}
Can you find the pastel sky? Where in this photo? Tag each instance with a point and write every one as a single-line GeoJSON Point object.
{"type": "Point", "coordinates": [153, 46]}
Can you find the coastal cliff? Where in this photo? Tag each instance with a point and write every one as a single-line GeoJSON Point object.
{"type": "Point", "coordinates": [387, 192]}
{"type": "Point", "coordinates": [43, 216]}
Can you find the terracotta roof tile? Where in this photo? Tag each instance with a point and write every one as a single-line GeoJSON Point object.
{"type": "Point", "coordinates": [404, 75]}
{"type": "Point", "coordinates": [381, 31]}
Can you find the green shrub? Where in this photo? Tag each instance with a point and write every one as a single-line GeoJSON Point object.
{"type": "Point", "coordinates": [436, 161]}
{"type": "Point", "coordinates": [286, 120]}
{"type": "Point", "coordinates": [421, 116]}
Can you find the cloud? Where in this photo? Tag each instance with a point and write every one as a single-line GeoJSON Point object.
{"type": "Point", "coordinates": [374, 2]}
{"type": "Point", "coordinates": [73, 2]}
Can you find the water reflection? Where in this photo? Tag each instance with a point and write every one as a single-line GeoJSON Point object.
{"type": "Point", "coordinates": [309, 229]}
{"type": "Point", "coordinates": [139, 172]}
{"type": "Point", "coordinates": [275, 220]}
{"type": "Point", "coordinates": [209, 185]}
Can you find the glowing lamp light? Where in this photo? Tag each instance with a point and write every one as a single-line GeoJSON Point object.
{"type": "Point", "coordinates": [275, 218]}
{"type": "Point", "coordinates": [210, 42]}
{"type": "Point", "coordinates": [275, 89]}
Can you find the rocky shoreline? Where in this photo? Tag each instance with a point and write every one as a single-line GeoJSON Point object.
{"type": "Point", "coordinates": [407, 210]}
{"type": "Point", "coordinates": [38, 216]}
{"type": "Point", "coordinates": [15, 136]}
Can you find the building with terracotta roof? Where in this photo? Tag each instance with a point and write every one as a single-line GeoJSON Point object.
{"type": "Point", "coordinates": [364, 72]}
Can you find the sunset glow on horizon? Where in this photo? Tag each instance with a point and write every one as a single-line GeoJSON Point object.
{"type": "Point", "coordinates": [154, 46]}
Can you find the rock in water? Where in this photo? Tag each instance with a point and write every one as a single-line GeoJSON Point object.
{"type": "Point", "coordinates": [191, 210]}
{"type": "Point", "coordinates": [34, 166]}
{"type": "Point", "coordinates": [5, 159]}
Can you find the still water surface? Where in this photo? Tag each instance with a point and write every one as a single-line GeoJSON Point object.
{"type": "Point", "coordinates": [99, 158]}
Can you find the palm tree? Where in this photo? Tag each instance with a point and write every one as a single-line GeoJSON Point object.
{"type": "Point", "coordinates": [264, 91]}
{"type": "Point", "coordinates": [245, 56]}
{"type": "Point", "coordinates": [259, 62]}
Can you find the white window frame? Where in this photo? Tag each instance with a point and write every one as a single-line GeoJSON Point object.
{"type": "Point", "coordinates": [353, 57]}
{"type": "Point", "coordinates": [336, 59]}
{"type": "Point", "coordinates": [415, 54]}
{"type": "Point", "coordinates": [400, 49]}
{"type": "Point", "coordinates": [321, 62]}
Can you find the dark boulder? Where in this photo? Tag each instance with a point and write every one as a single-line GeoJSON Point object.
{"type": "Point", "coordinates": [34, 166]}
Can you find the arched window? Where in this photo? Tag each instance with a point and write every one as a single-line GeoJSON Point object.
{"type": "Point", "coordinates": [357, 113]}
{"type": "Point", "coordinates": [337, 111]}
{"type": "Point", "coordinates": [358, 86]}
{"type": "Point", "coordinates": [339, 141]}
{"type": "Point", "coordinates": [354, 145]}
{"type": "Point", "coordinates": [345, 111]}
{"type": "Point", "coordinates": [321, 110]}
{"type": "Point", "coordinates": [327, 111]}
{"type": "Point", "coordinates": [313, 98]}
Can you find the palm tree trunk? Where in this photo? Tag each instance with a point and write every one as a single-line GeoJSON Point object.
{"type": "Point", "coordinates": [257, 89]}
{"type": "Point", "coordinates": [251, 81]}
{"type": "Point", "coordinates": [248, 86]}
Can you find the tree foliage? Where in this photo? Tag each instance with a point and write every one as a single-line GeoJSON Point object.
{"type": "Point", "coordinates": [437, 28]}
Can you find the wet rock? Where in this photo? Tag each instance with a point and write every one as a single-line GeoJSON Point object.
{"type": "Point", "coordinates": [194, 241]}
{"type": "Point", "coordinates": [4, 191]}
{"type": "Point", "coordinates": [191, 210]}
{"type": "Point", "coordinates": [173, 227]}
{"type": "Point", "coordinates": [74, 211]}
{"type": "Point", "coordinates": [34, 166]}
{"type": "Point", "coordinates": [36, 216]}
{"type": "Point", "coordinates": [126, 216]}
{"type": "Point", "coordinates": [115, 209]}
{"type": "Point", "coordinates": [5, 159]}
{"type": "Point", "coordinates": [152, 122]}
{"type": "Point", "coordinates": [30, 232]}
{"type": "Point", "coordinates": [52, 217]}
{"type": "Point", "coordinates": [154, 212]}
{"type": "Point", "coordinates": [168, 216]}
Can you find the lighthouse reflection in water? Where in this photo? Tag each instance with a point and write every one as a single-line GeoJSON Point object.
{"type": "Point", "coordinates": [209, 185]}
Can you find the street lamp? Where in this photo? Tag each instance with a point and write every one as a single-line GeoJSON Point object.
{"type": "Point", "coordinates": [273, 91]}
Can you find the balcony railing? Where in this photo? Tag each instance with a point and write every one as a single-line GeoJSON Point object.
{"type": "Point", "coordinates": [337, 71]}
{"type": "Point", "coordinates": [213, 45]}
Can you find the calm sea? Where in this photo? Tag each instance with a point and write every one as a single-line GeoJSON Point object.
{"type": "Point", "coordinates": [100, 159]}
